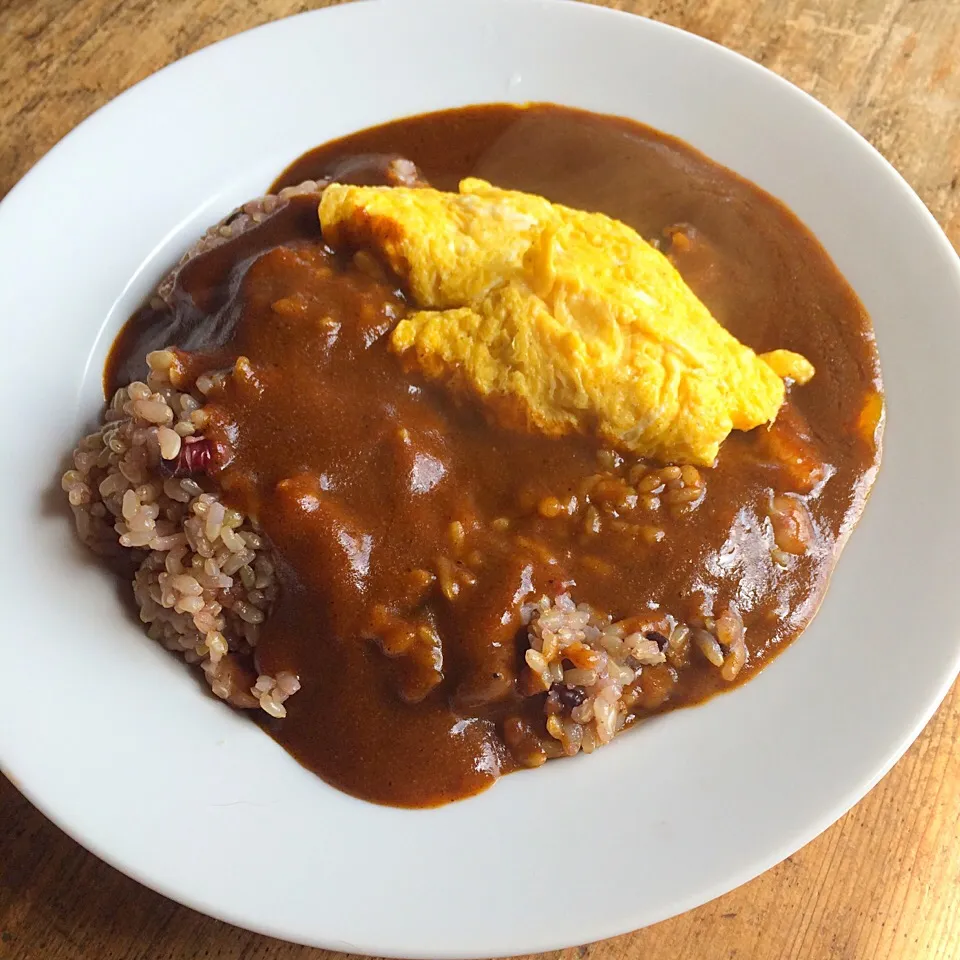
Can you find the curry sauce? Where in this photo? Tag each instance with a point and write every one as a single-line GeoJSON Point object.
{"type": "Point", "coordinates": [411, 531]}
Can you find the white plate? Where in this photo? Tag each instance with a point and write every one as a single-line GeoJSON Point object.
{"type": "Point", "coordinates": [114, 740]}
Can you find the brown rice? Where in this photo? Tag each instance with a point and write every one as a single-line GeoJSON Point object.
{"type": "Point", "coordinates": [591, 666]}
{"type": "Point", "coordinates": [204, 580]}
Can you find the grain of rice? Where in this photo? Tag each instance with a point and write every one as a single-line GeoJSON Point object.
{"type": "Point", "coordinates": [650, 484]}
{"type": "Point", "coordinates": [535, 660]}
{"type": "Point", "coordinates": [731, 635]}
{"type": "Point", "coordinates": [248, 578]}
{"type": "Point", "coordinates": [214, 521]}
{"type": "Point", "coordinates": [248, 612]}
{"type": "Point", "coordinates": [233, 541]}
{"type": "Point", "coordinates": [170, 443]}
{"type": "Point", "coordinates": [188, 604]}
{"type": "Point", "coordinates": [79, 495]}
{"type": "Point", "coordinates": [580, 677]}
{"type": "Point", "coordinates": [707, 644]}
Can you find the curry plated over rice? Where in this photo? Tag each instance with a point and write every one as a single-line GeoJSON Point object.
{"type": "Point", "coordinates": [482, 436]}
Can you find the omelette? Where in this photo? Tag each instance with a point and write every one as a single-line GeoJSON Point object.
{"type": "Point", "coordinates": [559, 320]}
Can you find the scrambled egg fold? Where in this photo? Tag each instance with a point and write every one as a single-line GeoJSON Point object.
{"type": "Point", "coordinates": [560, 320]}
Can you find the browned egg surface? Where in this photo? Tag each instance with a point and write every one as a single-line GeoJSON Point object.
{"type": "Point", "coordinates": [409, 530]}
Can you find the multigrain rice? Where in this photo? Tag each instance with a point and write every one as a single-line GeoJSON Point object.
{"type": "Point", "coordinates": [204, 580]}
{"type": "Point", "coordinates": [590, 666]}
{"type": "Point", "coordinates": [244, 218]}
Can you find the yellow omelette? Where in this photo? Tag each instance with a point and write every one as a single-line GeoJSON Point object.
{"type": "Point", "coordinates": [560, 320]}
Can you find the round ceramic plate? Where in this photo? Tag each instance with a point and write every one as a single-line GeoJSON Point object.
{"type": "Point", "coordinates": [115, 740]}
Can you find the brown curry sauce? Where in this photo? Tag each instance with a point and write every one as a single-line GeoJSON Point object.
{"type": "Point", "coordinates": [367, 480]}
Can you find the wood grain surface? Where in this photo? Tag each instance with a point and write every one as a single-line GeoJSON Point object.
{"type": "Point", "coordinates": [882, 883]}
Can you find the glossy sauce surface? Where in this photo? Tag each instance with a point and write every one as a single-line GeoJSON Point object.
{"type": "Point", "coordinates": [409, 531]}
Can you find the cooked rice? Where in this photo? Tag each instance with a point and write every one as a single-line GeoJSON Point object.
{"type": "Point", "coordinates": [244, 218]}
{"type": "Point", "coordinates": [205, 580]}
{"type": "Point", "coordinates": [590, 667]}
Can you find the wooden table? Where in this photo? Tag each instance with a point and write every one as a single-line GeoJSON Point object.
{"type": "Point", "coordinates": [884, 882]}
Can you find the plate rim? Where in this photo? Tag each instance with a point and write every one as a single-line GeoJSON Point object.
{"type": "Point", "coordinates": [749, 871]}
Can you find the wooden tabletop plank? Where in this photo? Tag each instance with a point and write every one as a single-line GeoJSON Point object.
{"type": "Point", "coordinates": [884, 882]}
